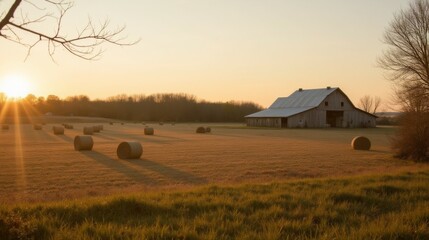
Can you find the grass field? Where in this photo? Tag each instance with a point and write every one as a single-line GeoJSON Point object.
{"type": "Point", "coordinates": [234, 183]}
{"type": "Point", "coordinates": [41, 166]}
{"type": "Point", "coordinates": [371, 207]}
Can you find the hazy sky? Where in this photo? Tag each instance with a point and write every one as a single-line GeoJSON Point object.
{"type": "Point", "coordinates": [219, 50]}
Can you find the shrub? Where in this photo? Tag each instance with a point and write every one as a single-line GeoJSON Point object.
{"type": "Point", "coordinates": [412, 139]}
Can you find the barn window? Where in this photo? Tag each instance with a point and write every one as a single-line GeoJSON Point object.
{"type": "Point", "coordinates": [326, 103]}
{"type": "Point", "coordinates": [342, 104]}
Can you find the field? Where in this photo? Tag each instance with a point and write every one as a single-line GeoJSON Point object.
{"type": "Point", "coordinates": [376, 207]}
{"type": "Point", "coordinates": [233, 183]}
{"type": "Point", "coordinates": [41, 166]}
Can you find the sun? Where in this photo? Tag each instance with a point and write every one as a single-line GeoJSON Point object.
{"type": "Point", "coordinates": [15, 86]}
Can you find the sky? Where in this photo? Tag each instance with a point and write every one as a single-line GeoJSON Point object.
{"type": "Point", "coordinates": [217, 50]}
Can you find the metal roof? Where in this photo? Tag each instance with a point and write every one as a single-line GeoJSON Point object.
{"type": "Point", "coordinates": [298, 102]}
{"type": "Point", "coordinates": [303, 98]}
{"type": "Point", "coordinates": [279, 112]}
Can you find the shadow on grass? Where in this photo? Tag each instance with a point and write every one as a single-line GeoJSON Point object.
{"type": "Point", "coordinates": [123, 211]}
{"type": "Point", "coordinates": [45, 135]}
{"type": "Point", "coordinates": [65, 138]}
{"type": "Point", "coordinates": [99, 135]}
{"type": "Point", "coordinates": [169, 172]}
{"type": "Point", "coordinates": [151, 139]}
{"type": "Point", "coordinates": [116, 165]}
{"type": "Point", "coordinates": [169, 137]}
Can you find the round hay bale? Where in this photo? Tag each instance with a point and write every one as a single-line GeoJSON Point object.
{"type": "Point", "coordinates": [58, 130]}
{"type": "Point", "coordinates": [96, 129]}
{"type": "Point", "coordinates": [201, 130]}
{"type": "Point", "coordinates": [129, 150]}
{"type": "Point", "coordinates": [149, 131]}
{"type": "Point", "coordinates": [83, 143]}
{"type": "Point", "coordinates": [69, 126]}
{"type": "Point", "coordinates": [111, 123]}
{"type": "Point", "coordinates": [37, 127]}
{"type": "Point", "coordinates": [361, 143]}
{"type": "Point", "coordinates": [5, 127]}
{"type": "Point", "coordinates": [88, 130]}
{"type": "Point", "coordinates": [101, 127]}
{"type": "Point", "coordinates": [208, 130]}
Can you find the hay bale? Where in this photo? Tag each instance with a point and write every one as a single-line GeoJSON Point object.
{"type": "Point", "coordinates": [161, 123]}
{"type": "Point", "coordinates": [96, 129]}
{"type": "Point", "coordinates": [101, 127]}
{"type": "Point", "coordinates": [129, 150]}
{"type": "Point", "coordinates": [69, 126]}
{"type": "Point", "coordinates": [4, 127]}
{"type": "Point", "coordinates": [149, 131]}
{"type": "Point", "coordinates": [208, 130]}
{"type": "Point", "coordinates": [58, 130]}
{"type": "Point", "coordinates": [111, 123]}
{"type": "Point", "coordinates": [88, 130]}
{"type": "Point", "coordinates": [201, 130]}
{"type": "Point", "coordinates": [37, 127]}
{"type": "Point", "coordinates": [361, 143]}
{"type": "Point", "coordinates": [83, 143]}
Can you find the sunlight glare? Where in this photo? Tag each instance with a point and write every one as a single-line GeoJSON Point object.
{"type": "Point", "coordinates": [15, 86]}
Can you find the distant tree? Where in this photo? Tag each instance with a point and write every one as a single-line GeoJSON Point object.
{"type": "Point", "coordinates": [406, 61]}
{"type": "Point", "coordinates": [370, 104]}
{"type": "Point", "coordinates": [31, 99]}
{"type": "Point", "coordinates": [40, 100]}
{"type": "Point", "coordinates": [52, 99]}
{"type": "Point", "coordinates": [22, 21]}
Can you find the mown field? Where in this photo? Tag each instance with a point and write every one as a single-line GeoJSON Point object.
{"type": "Point", "coordinates": [372, 207]}
{"type": "Point", "coordinates": [41, 166]}
{"type": "Point", "coordinates": [234, 183]}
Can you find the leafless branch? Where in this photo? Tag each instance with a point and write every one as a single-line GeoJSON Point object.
{"type": "Point", "coordinates": [86, 44]}
{"type": "Point", "coordinates": [407, 58]}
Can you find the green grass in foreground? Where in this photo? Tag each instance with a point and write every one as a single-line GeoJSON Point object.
{"type": "Point", "coordinates": [381, 207]}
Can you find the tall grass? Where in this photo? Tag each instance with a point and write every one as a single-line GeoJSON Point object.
{"type": "Point", "coordinates": [376, 207]}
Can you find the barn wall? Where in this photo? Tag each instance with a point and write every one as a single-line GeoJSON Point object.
{"type": "Point", "coordinates": [334, 102]}
{"type": "Point", "coordinates": [313, 119]}
{"type": "Point", "coordinates": [356, 119]}
{"type": "Point", "coordinates": [264, 122]}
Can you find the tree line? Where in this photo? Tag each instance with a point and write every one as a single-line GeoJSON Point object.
{"type": "Point", "coordinates": [168, 107]}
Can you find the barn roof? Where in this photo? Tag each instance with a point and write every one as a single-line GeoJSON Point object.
{"type": "Point", "coordinates": [300, 101]}
{"type": "Point", "coordinates": [279, 112]}
{"type": "Point", "coordinates": [303, 98]}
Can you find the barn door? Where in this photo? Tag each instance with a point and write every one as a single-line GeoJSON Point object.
{"type": "Point", "coordinates": [284, 122]}
{"type": "Point", "coordinates": [334, 118]}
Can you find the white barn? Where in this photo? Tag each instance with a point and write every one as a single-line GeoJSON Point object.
{"type": "Point", "coordinates": [313, 108]}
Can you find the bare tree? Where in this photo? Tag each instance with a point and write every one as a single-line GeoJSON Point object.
{"type": "Point", "coordinates": [407, 57]}
{"type": "Point", "coordinates": [406, 61]}
{"type": "Point", "coordinates": [377, 104]}
{"type": "Point", "coordinates": [369, 104]}
{"type": "Point", "coordinates": [365, 103]}
{"type": "Point", "coordinates": [21, 23]}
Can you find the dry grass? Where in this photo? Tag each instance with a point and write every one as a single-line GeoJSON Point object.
{"type": "Point", "coordinates": [40, 166]}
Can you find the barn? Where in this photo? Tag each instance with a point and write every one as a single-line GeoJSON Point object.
{"type": "Point", "coordinates": [312, 108]}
